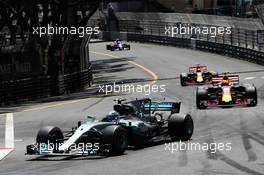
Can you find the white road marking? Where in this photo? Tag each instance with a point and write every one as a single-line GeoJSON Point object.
{"type": "Point", "coordinates": [250, 78]}
{"type": "Point", "coordinates": [9, 132]}
{"type": "Point", "coordinates": [262, 77]}
{"type": "Point", "coordinates": [18, 140]}
{"type": "Point", "coordinates": [9, 137]}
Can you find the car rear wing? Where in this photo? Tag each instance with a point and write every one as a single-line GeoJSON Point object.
{"type": "Point", "coordinates": [174, 107]}
{"type": "Point", "coordinates": [234, 79]}
{"type": "Point", "coordinates": [194, 69]}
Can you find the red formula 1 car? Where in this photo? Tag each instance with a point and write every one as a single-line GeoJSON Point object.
{"type": "Point", "coordinates": [198, 75]}
{"type": "Point", "coordinates": [226, 92]}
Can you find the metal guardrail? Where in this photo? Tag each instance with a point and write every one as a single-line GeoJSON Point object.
{"type": "Point", "coordinates": [22, 90]}
{"type": "Point", "coordinates": [241, 43]}
{"type": "Point", "coordinates": [238, 37]}
{"type": "Point", "coordinates": [238, 52]}
{"type": "Point", "coordinates": [218, 48]}
{"type": "Point", "coordinates": [34, 87]}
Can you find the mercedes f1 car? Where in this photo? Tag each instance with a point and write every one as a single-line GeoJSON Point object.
{"type": "Point", "coordinates": [198, 75]}
{"type": "Point", "coordinates": [226, 92]}
{"type": "Point", "coordinates": [118, 45]}
{"type": "Point", "coordinates": [131, 124]}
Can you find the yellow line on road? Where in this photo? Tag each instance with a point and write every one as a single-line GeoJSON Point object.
{"type": "Point", "coordinates": [53, 105]}
{"type": "Point", "coordinates": [59, 104]}
{"type": "Point", "coordinates": [153, 75]}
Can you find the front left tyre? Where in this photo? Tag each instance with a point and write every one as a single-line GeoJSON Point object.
{"type": "Point", "coordinates": [183, 78]}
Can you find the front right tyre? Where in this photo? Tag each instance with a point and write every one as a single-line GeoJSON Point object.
{"type": "Point", "coordinates": [49, 134]}
{"type": "Point", "coordinates": [180, 127]}
{"type": "Point", "coordinates": [201, 95]}
{"type": "Point", "coordinates": [116, 136]}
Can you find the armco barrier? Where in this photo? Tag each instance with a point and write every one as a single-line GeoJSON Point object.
{"type": "Point", "coordinates": [38, 87]}
{"type": "Point", "coordinates": [229, 50]}
{"type": "Point", "coordinates": [34, 87]}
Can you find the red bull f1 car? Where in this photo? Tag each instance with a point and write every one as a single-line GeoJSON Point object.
{"type": "Point", "coordinates": [226, 92]}
{"type": "Point", "coordinates": [118, 45]}
{"type": "Point", "coordinates": [198, 75]}
{"type": "Point", "coordinates": [131, 124]}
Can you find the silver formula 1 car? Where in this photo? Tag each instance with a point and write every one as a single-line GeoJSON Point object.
{"type": "Point", "coordinates": [131, 124]}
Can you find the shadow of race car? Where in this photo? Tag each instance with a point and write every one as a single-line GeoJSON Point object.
{"type": "Point", "coordinates": [197, 75]}
{"type": "Point", "coordinates": [226, 92]}
{"type": "Point", "coordinates": [131, 124]}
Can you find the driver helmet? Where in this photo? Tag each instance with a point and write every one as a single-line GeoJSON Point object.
{"type": "Point", "coordinates": [225, 80]}
{"type": "Point", "coordinates": [112, 115]}
{"type": "Point", "coordinates": [198, 69]}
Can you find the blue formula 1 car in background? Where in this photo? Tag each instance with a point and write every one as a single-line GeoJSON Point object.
{"type": "Point", "coordinates": [131, 124]}
{"type": "Point", "coordinates": [118, 45]}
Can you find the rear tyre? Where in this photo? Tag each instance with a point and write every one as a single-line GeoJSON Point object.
{"type": "Point", "coordinates": [49, 134]}
{"type": "Point", "coordinates": [117, 137]}
{"type": "Point", "coordinates": [180, 127]}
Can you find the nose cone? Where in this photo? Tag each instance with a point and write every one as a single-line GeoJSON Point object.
{"type": "Point", "coordinates": [199, 78]}
{"type": "Point", "coordinates": [227, 98]}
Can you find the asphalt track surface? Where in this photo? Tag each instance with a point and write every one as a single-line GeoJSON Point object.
{"type": "Point", "coordinates": [242, 127]}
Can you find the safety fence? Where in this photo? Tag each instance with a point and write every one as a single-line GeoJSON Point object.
{"type": "Point", "coordinates": [22, 78]}
{"type": "Point", "coordinates": [21, 90]}
{"type": "Point", "coordinates": [218, 48]}
{"type": "Point", "coordinates": [241, 43]}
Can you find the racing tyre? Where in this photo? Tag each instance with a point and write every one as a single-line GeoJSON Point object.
{"type": "Point", "coordinates": [117, 137]}
{"type": "Point", "coordinates": [128, 47]}
{"type": "Point", "coordinates": [201, 95]}
{"type": "Point", "coordinates": [183, 79]}
{"type": "Point", "coordinates": [251, 93]}
{"type": "Point", "coordinates": [180, 127]}
{"type": "Point", "coordinates": [108, 47]}
{"type": "Point", "coordinates": [49, 134]}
